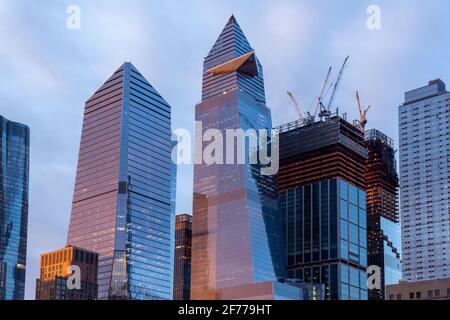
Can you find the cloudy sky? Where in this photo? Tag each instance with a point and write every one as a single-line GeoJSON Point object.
{"type": "Point", "coordinates": [48, 71]}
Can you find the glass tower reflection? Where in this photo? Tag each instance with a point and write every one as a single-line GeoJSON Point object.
{"type": "Point", "coordinates": [14, 180]}
{"type": "Point", "coordinates": [122, 206]}
{"type": "Point", "coordinates": [237, 231]}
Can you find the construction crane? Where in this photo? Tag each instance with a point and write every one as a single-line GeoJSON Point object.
{"type": "Point", "coordinates": [361, 123]}
{"type": "Point", "coordinates": [296, 105]}
{"type": "Point", "coordinates": [308, 119]}
{"type": "Point", "coordinates": [326, 110]}
{"type": "Point", "coordinates": [322, 91]}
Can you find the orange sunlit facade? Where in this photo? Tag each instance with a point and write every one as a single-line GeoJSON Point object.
{"type": "Point", "coordinates": [56, 269]}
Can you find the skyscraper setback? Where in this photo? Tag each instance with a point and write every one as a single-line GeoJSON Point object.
{"type": "Point", "coordinates": [122, 207]}
{"type": "Point", "coordinates": [237, 233]}
{"type": "Point", "coordinates": [14, 184]}
{"type": "Point", "coordinates": [424, 180]}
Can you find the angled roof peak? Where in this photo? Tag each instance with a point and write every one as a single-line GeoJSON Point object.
{"type": "Point", "coordinates": [231, 41]}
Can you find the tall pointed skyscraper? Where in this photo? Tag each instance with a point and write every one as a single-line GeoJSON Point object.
{"type": "Point", "coordinates": [122, 206]}
{"type": "Point", "coordinates": [238, 250]}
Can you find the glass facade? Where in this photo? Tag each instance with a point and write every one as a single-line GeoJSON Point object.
{"type": "Point", "coordinates": [326, 236]}
{"type": "Point", "coordinates": [237, 231]}
{"type": "Point", "coordinates": [14, 186]}
{"type": "Point", "coordinates": [271, 290]}
{"type": "Point", "coordinates": [392, 251]}
{"type": "Point", "coordinates": [123, 206]}
{"type": "Point", "coordinates": [424, 122]}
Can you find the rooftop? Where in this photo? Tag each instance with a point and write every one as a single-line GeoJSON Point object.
{"type": "Point", "coordinates": [433, 89]}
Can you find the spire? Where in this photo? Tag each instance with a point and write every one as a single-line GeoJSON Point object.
{"type": "Point", "coordinates": [232, 65]}
{"type": "Point", "coordinates": [231, 44]}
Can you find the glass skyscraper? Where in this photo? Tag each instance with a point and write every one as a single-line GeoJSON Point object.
{"type": "Point", "coordinates": [424, 180]}
{"type": "Point", "coordinates": [327, 237]}
{"type": "Point", "coordinates": [14, 185]}
{"type": "Point", "coordinates": [323, 201]}
{"type": "Point", "coordinates": [237, 232]}
{"type": "Point", "coordinates": [123, 199]}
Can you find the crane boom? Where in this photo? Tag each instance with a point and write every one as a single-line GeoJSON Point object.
{"type": "Point", "coordinates": [362, 113]}
{"type": "Point", "coordinates": [296, 105]}
{"type": "Point", "coordinates": [358, 101]}
{"type": "Point", "coordinates": [337, 84]}
{"type": "Point", "coordinates": [322, 91]}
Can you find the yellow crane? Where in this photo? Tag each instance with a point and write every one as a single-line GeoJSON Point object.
{"type": "Point", "coordinates": [362, 113]}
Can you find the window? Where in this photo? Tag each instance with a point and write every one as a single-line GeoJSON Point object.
{"type": "Point", "coordinates": [363, 280]}
{"type": "Point", "coordinates": [344, 230]}
{"type": "Point", "coordinates": [362, 219]}
{"type": "Point", "coordinates": [353, 214]}
{"type": "Point", "coordinates": [448, 292]}
{"type": "Point", "coordinates": [363, 257]}
{"type": "Point", "coordinates": [363, 238]}
{"type": "Point", "coordinates": [430, 294]}
{"type": "Point", "coordinates": [418, 295]}
{"type": "Point", "coordinates": [437, 293]}
{"type": "Point", "coordinates": [354, 293]}
{"type": "Point", "coordinates": [399, 296]}
{"type": "Point", "coordinates": [343, 189]}
{"type": "Point", "coordinates": [344, 249]}
{"type": "Point", "coordinates": [344, 209]}
{"type": "Point", "coordinates": [391, 297]}
{"type": "Point", "coordinates": [344, 274]}
{"type": "Point", "coordinates": [364, 295]}
{"type": "Point", "coordinates": [411, 295]}
{"type": "Point", "coordinates": [344, 292]}
{"type": "Point", "coordinates": [354, 277]}
{"type": "Point", "coordinates": [362, 199]}
{"type": "Point", "coordinates": [353, 194]}
{"type": "Point", "coordinates": [354, 233]}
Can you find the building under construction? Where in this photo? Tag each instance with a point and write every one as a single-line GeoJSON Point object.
{"type": "Point", "coordinates": [312, 152]}
{"type": "Point", "coordinates": [323, 201]}
{"type": "Point", "coordinates": [384, 243]}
